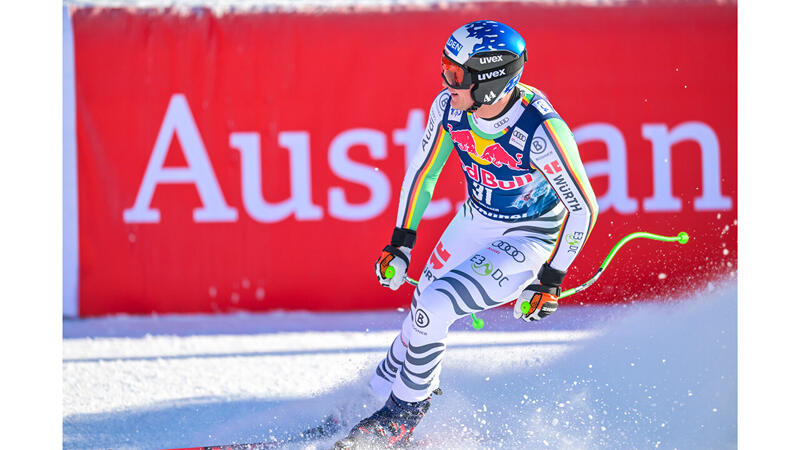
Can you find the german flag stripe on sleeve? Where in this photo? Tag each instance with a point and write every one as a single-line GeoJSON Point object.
{"type": "Point", "coordinates": [420, 177]}
{"type": "Point", "coordinates": [578, 176]}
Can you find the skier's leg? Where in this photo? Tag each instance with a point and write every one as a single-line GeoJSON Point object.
{"type": "Point", "coordinates": [381, 382]}
{"type": "Point", "coordinates": [491, 276]}
{"type": "Point", "coordinates": [455, 244]}
{"type": "Point", "coordinates": [506, 262]}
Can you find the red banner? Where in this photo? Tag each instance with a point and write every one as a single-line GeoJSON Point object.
{"type": "Point", "coordinates": [252, 161]}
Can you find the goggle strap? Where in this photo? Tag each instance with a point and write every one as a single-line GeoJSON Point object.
{"type": "Point", "coordinates": [512, 67]}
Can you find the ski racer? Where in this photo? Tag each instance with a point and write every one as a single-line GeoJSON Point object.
{"type": "Point", "coordinates": [529, 213]}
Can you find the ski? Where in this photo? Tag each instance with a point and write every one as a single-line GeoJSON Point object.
{"type": "Point", "coordinates": [258, 446]}
{"type": "Point", "coordinates": [326, 429]}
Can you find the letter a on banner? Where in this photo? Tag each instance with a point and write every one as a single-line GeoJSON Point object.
{"type": "Point", "coordinates": [198, 172]}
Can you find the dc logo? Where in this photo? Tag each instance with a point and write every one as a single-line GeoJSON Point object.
{"type": "Point", "coordinates": [422, 319]}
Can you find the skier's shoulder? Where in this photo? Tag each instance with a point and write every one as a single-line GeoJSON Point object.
{"type": "Point", "coordinates": [439, 106]}
{"type": "Point", "coordinates": [537, 103]}
{"type": "Point", "coordinates": [442, 101]}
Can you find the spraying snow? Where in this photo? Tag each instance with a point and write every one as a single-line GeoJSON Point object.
{"type": "Point", "coordinates": [647, 375]}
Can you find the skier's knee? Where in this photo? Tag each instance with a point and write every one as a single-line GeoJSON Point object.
{"type": "Point", "coordinates": [432, 314]}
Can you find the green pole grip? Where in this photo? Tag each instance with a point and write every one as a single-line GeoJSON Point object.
{"type": "Point", "coordinates": [476, 322]}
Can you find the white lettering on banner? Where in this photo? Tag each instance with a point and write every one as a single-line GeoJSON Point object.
{"type": "Point", "coordinates": [179, 120]}
{"type": "Point", "coordinates": [409, 138]}
{"type": "Point", "coordinates": [299, 202]}
{"type": "Point", "coordinates": [374, 180]}
{"type": "Point", "coordinates": [663, 140]}
{"type": "Point", "coordinates": [615, 167]}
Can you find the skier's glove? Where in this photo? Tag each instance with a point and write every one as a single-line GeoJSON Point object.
{"type": "Point", "coordinates": [396, 256]}
{"type": "Point", "coordinates": [542, 297]}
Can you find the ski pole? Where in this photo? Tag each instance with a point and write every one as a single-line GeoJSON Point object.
{"type": "Point", "coordinates": [681, 238]}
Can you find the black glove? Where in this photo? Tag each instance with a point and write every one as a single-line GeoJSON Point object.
{"type": "Point", "coordinates": [396, 255]}
{"type": "Point", "coordinates": [541, 297]}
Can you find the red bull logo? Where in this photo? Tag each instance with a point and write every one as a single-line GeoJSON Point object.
{"type": "Point", "coordinates": [465, 141]}
{"type": "Point", "coordinates": [498, 156]}
{"type": "Point", "coordinates": [485, 151]}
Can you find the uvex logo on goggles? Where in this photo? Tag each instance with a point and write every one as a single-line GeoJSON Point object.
{"type": "Point", "coordinates": [493, 74]}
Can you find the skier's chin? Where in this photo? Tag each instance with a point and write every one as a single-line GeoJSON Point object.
{"type": "Point", "coordinates": [460, 104]}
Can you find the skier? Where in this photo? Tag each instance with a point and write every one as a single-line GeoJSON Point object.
{"type": "Point", "coordinates": [529, 213]}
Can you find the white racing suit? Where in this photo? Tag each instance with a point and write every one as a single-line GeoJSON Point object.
{"type": "Point", "coordinates": [530, 202]}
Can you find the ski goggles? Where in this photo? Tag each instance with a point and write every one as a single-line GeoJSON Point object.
{"type": "Point", "coordinates": [454, 74]}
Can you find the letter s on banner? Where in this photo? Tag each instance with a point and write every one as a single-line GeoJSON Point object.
{"type": "Point", "coordinates": [373, 179]}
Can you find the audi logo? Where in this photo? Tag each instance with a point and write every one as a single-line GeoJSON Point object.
{"type": "Point", "coordinates": [501, 123]}
{"type": "Point", "coordinates": [510, 250]}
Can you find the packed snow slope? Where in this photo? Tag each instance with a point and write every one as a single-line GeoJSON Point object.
{"type": "Point", "coordinates": [647, 375]}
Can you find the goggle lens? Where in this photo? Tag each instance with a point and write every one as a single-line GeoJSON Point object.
{"type": "Point", "coordinates": [453, 74]}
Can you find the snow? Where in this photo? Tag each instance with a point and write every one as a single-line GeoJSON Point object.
{"type": "Point", "coordinates": [645, 375]}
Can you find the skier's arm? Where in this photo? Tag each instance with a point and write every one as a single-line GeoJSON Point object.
{"type": "Point", "coordinates": [415, 195]}
{"type": "Point", "coordinates": [555, 154]}
{"type": "Point", "coordinates": [562, 167]}
{"type": "Point", "coordinates": [425, 167]}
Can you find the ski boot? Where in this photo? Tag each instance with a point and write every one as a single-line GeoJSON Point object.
{"type": "Point", "coordinates": [389, 427]}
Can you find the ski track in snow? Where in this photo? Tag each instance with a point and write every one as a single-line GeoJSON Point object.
{"type": "Point", "coordinates": [646, 375]}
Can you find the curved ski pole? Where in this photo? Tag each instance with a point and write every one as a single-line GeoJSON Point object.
{"type": "Point", "coordinates": [681, 238]}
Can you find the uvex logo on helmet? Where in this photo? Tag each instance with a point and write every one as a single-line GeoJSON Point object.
{"type": "Point", "coordinates": [491, 59]}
